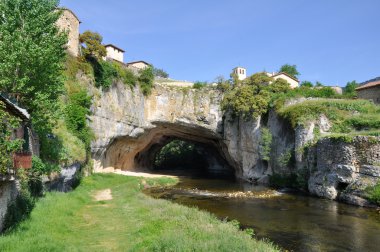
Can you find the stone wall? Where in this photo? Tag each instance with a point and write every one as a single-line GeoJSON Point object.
{"type": "Point", "coordinates": [372, 93]}
{"type": "Point", "coordinates": [8, 193]}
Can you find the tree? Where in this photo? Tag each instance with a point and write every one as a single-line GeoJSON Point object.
{"type": "Point", "coordinates": [146, 80]}
{"type": "Point", "coordinates": [160, 73]}
{"type": "Point", "coordinates": [319, 84]}
{"type": "Point", "coordinates": [350, 89]}
{"type": "Point", "coordinates": [290, 69]}
{"type": "Point", "coordinates": [32, 54]}
{"type": "Point", "coordinates": [92, 45]}
{"type": "Point", "coordinates": [307, 84]}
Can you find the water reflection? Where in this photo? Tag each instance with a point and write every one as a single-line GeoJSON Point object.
{"type": "Point", "coordinates": [295, 222]}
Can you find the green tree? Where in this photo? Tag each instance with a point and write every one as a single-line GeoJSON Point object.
{"type": "Point", "coordinates": [146, 80]}
{"type": "Point", "coordinates": [350, 89]}
{"type": "Point", "coordinates": [307, 84]}
{"type": "Point", "coordinates": [32, 54]}
{"type": "Point", "coordinates": [160, 73]}
{"type": "Point", "coordinates": [92, 45]}
{"type": "Point", "coordinates": [290, 69]}
{"type": "Point", "coordinates": [319, 84]}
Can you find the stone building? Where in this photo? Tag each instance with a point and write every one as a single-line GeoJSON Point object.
{"type": "Point", "coordinates": [370, 90]}
{"type": "Point", "coordinates": [294, 83]}
{"type": "Point", "coordinates": [115, 53]}
{"type": "Point", "coordinates": [69, 22]}
{"type": "Point", "coordinates": [240, 72]}
{"type": "Point", "coordinates": [139, 65]}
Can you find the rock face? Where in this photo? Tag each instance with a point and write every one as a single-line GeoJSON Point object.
{"type": "Point", "coordinates": [66, 180]}
{"type": "Point", "coordinates": [344, 170]}
{"type": "Point", "coordinates": [130, 129]}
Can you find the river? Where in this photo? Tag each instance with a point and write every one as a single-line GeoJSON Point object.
{"type": "Point", "coordinates": [294, 221]}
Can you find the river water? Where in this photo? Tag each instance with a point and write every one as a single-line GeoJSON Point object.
{"type": "Point", "coordinates": [293, 221]}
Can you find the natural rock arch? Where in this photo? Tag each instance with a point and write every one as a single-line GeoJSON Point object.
{"type": "Point", "coordinates": [130, 128]}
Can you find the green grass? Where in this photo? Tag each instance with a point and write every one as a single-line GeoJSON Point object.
{"type": "Point", "coordinates": [346, 115]}
{"type": "Point", "coordinates": [373, 194]}
{"type": "Point", "coordinates": [131, 221]}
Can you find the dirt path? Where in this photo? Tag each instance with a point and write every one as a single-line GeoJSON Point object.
{"type": "Point", "coordinates": [103, 195]}
{"type": "Point", "coordinates": [142, 174]}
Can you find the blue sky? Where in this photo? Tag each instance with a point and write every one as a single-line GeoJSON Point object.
{"type": "Point", "coordinates": [331, 41]}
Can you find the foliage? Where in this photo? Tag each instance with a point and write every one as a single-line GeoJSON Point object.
{"type": "Point", "coordinates": [92, 45]}
{"type": "Point", "coordinates": [77, 111]}
{"type": "Point", "coordinates": [290, 69]}
{"type": "Point", "coordinates": [265, 144]}
{"type": "Point", "coordinates": [285, 158]}
{"type": "Point", "coordinates": [160, 73]}
{"type": "Point", "coordinates": [253, 97]}
{"type": "Point", "coordinates": [373, 193]}
{"type": "Point", "coordinates": [176, 154]}
{"type": "Point", "coordinates": [146, 80]}
{"type": "Point", "coordinates": [350, 89]}
{"type": "Point", "coordinates": [200, 84]}
{"type": "Point", "coordinates": [153, 225]}
{"type": "Point", "coordinates": [32, 54]}
{"type": "Point", "coordinates": [125, 75]}
{"type": "Point", "coordinates": [307, 84]}
{"type": "Point", "coordinates": [223, 84]}
{"type": "Point", "coordinates": [345, 115]}
{"type": "Point", "coordinates": [104, 72]}
{"type": "Point", "coordinates": [7, 145]}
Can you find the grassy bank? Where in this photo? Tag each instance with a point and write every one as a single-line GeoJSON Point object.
{"type": "Point", "coordinates": [131, 221]}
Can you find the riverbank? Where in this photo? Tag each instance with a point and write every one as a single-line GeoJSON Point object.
{"type": "Point", "coordinates": [108, 212]}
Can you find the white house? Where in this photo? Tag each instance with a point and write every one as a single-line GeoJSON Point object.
{"type": "Point", "coordinates": [240, 72]}
{"type": "Point", "coordinates": [115, 53]}
{"type": "Point", "coordinates": [294, 83]}
{"type": "Point", "coordinates": [138, 65]}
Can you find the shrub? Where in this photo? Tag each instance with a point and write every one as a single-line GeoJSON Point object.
{"type": "Point", "coordinates": [146, 80]}
{"type": "Point", "coordinates": [265, 144]}
{"type": "Point", "coordinates": [200, 84]}
{"type": "Point", "coordinates": [125, 75]}
{"type": "Point", "coordinates": [373, 194]}
{"type": "Point", "coordinates": [160, 73]}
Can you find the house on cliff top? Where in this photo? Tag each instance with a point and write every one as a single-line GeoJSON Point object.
{"type": "Point", "coordinates": [370, 90]}
{"type": "Point", "coordinates": [241, 74]}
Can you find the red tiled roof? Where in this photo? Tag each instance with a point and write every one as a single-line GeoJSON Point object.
{"type": "Point", "coordinates": [369, 85]}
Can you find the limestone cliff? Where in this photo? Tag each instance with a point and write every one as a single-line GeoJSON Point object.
{"type": "Point", "coordinates": [131, 128]}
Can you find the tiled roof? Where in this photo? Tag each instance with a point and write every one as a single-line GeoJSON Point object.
{"type": "Point", "coordinates": [369, 85]}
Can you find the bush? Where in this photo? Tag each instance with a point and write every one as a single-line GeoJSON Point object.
{"type": "Point", "coordinates": [125, 74]}
{"type": "Point", "coordinates": [160, 73]}
{"type": "Point", "coordinates": [76, 116]}
{"type": "Point", "coordinates": [265, 144]}
{"type": "Point", "coordinates": [146, 80]}
{"type": "Point", "coordinates": [199, 84]}
{"type": "Point", "coordinates": [373, 194]}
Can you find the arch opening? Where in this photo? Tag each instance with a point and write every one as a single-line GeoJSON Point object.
{"type": "Point", "coordinates": [207, 154]}
{"type": "Point", "coordinates": [181, 157]}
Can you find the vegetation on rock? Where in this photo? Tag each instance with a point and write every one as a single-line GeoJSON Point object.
{"type": "Point", "coordinates": [92, 45]}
